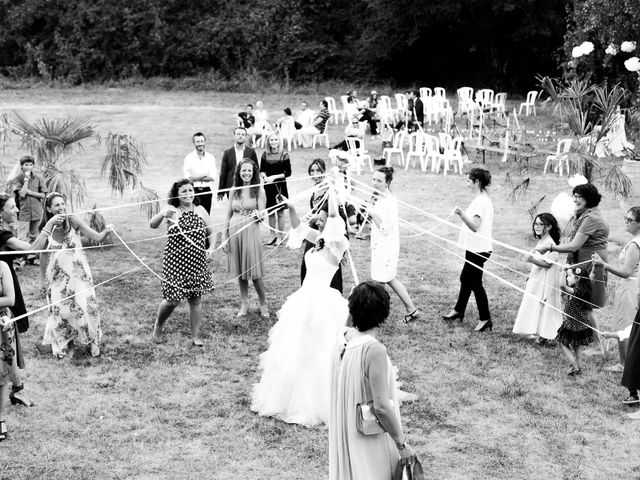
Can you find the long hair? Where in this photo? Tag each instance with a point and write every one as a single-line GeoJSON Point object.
{"type": "Point", "coordinates": [4, 198]}
{"type": "Point", "coordinates": [46, 214]}
{"type": "Point", "coordinates": [549, 220]}
{"type": "Point", "coordinates": [173, 200]}
{"type": "Point", "coordinates": [255, 179]}
{"type": "Point", "coordinates": [269, 137]}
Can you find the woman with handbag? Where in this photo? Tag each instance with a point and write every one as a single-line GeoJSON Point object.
{"type": "Point", "coordinates": [275, 167]}
{"type": "Point", "coordinates": [366, 440]}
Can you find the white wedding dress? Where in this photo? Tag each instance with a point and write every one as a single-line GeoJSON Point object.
{"type": "Point", "coordinates": [295, 368]}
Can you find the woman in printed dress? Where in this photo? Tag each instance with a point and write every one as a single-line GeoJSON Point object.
{"type": "Point", "coordinates": [74, 315]}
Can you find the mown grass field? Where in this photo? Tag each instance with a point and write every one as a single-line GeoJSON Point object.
{"type": "Point", "coordinates": [491, 405]}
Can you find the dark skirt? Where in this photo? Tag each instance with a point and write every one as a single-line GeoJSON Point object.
{"type": "Point", "coordinates": [631, 374]}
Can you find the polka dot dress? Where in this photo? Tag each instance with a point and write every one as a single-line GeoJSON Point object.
{"type": "Point", "coordinates": [184, 271]}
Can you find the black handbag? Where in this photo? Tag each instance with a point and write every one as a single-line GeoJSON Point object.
{"type": "Point", "coordinates": [413, 471]}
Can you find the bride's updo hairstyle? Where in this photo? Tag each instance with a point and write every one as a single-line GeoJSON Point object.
{"type": "Point", "coordinates": [368, 305]}
{"type": "Point", "coordinates": [388, 174]}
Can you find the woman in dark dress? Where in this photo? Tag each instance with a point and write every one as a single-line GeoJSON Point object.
{"type": "Point", "coordinates": [9, 215]}
{"type": "Point", "coordinates": [318, 203]}
{"type": "Point", "coordinates": [275, 167]}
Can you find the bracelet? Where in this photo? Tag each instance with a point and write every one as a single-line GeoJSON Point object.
{"type": "Point", "coordinates": [402, 445]}
{"type": "Point", "coordinates": [46, 232]}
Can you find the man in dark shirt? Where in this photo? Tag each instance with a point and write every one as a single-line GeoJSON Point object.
{"type": "Point", "coordinates": [231, 157]}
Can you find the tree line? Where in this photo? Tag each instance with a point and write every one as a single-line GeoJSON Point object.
{"type": "Point", "coordinates": [430, 42]}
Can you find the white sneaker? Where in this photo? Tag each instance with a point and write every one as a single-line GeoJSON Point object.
{"type": "Point", "coordinates": [634, 415]}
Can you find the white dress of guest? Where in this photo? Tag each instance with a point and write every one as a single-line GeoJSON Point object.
{"type": "Point", "coordinates": [625, 294]}
{"type": "Point", "coordinates": [540, 312]}
{"type": "Point", "coordinates": [385, 240]}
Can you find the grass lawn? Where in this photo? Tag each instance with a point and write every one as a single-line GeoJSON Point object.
{"type": "Point", "coordinates": [491, 405]}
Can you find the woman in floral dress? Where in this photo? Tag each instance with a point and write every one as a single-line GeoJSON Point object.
{"type": "Point", "coordinates": [73, 312]}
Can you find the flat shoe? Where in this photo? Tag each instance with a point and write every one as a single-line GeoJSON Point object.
{"type": "Point", "coordinates": [264, 311]}
{"type": "Point", "coordinates": [197, 343]}
{"type": "Point", "coordinates": [243, 310]}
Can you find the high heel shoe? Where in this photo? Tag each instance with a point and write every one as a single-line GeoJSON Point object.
{"type": "Point", "coordinates": [453, 316]}
{"type": "Point", "coordinates": [272, 242]}
{"type": "Point", "coordinates": [4, 433]}
{"type": "Point", "coordinates": [18, 400]}
{"type": "Point", "coordinates": [484, 325]}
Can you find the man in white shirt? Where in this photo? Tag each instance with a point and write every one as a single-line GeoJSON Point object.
{"type": "Point", "coordinates": [200, 168]}
{"type": "Point", "coordinates": [305, 117]}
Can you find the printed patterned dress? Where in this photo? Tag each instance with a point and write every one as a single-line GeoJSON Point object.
{"type": "Point", "coordinates": [77, 318]}
{"type": "Point", "coordinates": [185, 273]}
{"type": "Point", "coordinates": [575, 330]}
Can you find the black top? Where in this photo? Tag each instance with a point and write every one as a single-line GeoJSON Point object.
{"type": "Point", "coordinates": [19, 307]}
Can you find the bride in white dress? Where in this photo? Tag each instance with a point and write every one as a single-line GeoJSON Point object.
{"type": "Point", "coordinates": [294, 386]}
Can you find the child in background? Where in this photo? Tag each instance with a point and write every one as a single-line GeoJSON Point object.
{"type": "Point", "coordinates": [631, 373]}
{"type": "Point", "coordinates": [30, 190]}
{"type": "Point", "coordinates": [575, 332]}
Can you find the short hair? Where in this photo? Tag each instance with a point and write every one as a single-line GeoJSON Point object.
{"type": "Point", "coordinates": [320, 163]}
{"type": "Point", "coordinates": [589, 192]}
{"type": "Point", "coordinates": [635, 211]}
{"type": "Point", "coordinates": [287, 110]}
{"type": "Point", "coordinates": [250, 105]}
{"type": "Point", "coordinates": [325, 104]}
{"type": "Point", "coordinates": [27, 159]}
{"type": "Point", "coordinates": [368, 305]}
{"type": "Point", "coordinates": [239, 128]}
{"type": "Point", "coordinates": [173, 200]}
{"type": "Point", "coordinates": [388, 174]}
{"type": "Point", "coordinates": [417, 93]}
{"type": "Point", "coordinates": [482, 175]}
{"type": "Point", "coordinates": [197, 134]}
{"type": "Point", "coordinates": [304, 103]}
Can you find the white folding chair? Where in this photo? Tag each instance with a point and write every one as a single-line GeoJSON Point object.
{"type": "Point", "coordinates": [333, 110]}
{"type": "Point", "coordinates": [357, 155]}
{"type": "Point", "coordinates": [560, 157]}
{"type": "Point", "coordinates": [398, 141]}
{"type": "Point", "coordinates": [288, 134]}
{"type": "Point", "coordinates": [500, 103]}
{"type": "Point", "coordinates": [439, 92]}
{"type": "Point", "coordinates": [425, 92]}
{"type": "Point", "coordinates": [320, 136]}
{"type": "Point", "coordinates": [465, 98]}
{"type": "Point", "coordinates": [417, 149]}
{"type": "Point", "coordinates": [452, 156]}
{"type": "Point", "coordinates": [432, 145]}
{"type": "Point", "coordinates": [529, 103]}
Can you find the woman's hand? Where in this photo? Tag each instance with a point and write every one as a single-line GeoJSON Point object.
{"type": "Point", "coordinates": [109, 228]}
{"type": "Point", "coordinates": [610, 335]}
{"type": "Point", "coordinates": [597, 260]}
{"type": "Point", "coordinates": [171, 214]}
{"type": "Point", "coordinates": [55, 221]}
{"type": "Point", "coordinates": [544, 249]}
{"type": "Point", "coordinates": [407, 454]}
{"type": "Point", "coordinates": [458, 212]}
{"type": "Point", "coordinates": [5, 323]}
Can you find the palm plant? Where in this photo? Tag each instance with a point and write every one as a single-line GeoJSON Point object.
{"type": "Point", "coordinates": [53, 142]}
{"type": "Point", "coordinates": [589, 112]}
{"type": "Point", "coordinates": [123, 166]}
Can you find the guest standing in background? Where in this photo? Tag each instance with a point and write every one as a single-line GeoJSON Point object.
{"type": "Point", "coordinates": [232, 157]}
{"type": "Point", "coordinates": [275, 167]}
{"type": "Point", "coordinates": [200, 168]}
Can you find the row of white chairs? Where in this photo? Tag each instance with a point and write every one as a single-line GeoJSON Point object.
{"type": "Point", "coordinates": [442, 150]}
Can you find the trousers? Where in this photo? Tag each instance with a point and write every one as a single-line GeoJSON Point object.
{"type": "Point", "coordinates": [471, 281]}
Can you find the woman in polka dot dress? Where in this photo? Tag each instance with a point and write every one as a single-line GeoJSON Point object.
{"type": "Point", "coordinates": [185, 272]}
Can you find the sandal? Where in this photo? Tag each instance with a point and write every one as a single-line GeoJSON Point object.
{"type": "Point", "coordinates": [264, 311]}
{"type": "Point", "coordinates": [18, 399]}
{"type": "Point", "coordinates": [415, 315]}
